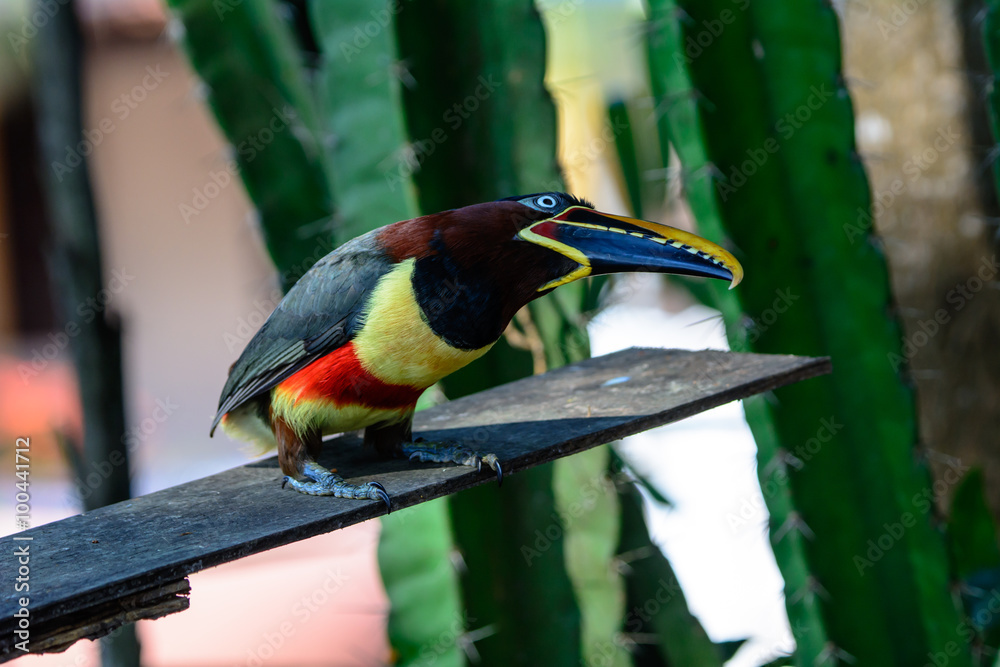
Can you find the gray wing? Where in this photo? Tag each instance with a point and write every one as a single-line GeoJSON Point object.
{"type": "Point", "coordinates": [320, 313]}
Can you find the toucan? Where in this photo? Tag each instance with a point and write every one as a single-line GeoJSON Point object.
{"type": "Point", "coordinates": [371, 325]}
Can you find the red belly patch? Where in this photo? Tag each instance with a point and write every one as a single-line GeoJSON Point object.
{"type": "Point", "coordinates": [339, 378]}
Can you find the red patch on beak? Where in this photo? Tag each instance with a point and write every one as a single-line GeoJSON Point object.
{"type": "Point", "coordinates": [548, 229]}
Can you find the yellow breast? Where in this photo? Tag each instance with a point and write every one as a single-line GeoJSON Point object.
{"type": "Point", "coordinates": [396, 345]}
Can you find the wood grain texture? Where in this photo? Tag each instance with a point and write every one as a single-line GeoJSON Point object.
{"type": "Point", "coordinates": [83, 564]}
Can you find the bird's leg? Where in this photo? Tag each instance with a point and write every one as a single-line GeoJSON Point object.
{"type": "Point", "coordinates": [446, 452]}
{"type": "Point", "coordinates": [388, 437]}
{"type": "Point", "coordinates": [326, 483]}
{"type": "Point", "coordinates": [297, 456]}
{"type": "Point", "coordinates": [397, 439]}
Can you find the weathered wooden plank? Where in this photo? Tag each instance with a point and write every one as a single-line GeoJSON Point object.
{"type": "Point", "coordinates": [90, 572]}
{"type": "Point", "coordinates": [57, 634]}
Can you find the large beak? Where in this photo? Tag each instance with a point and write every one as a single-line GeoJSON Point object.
{"type": "Point", "coordinates": [604, 243]}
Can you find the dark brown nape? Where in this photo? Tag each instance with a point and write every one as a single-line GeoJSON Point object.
{"type": "Point", "coordinates": [480, 226]}
{"type": "Point", "coordinates": [409, 238]}
{"type": "Point", "coordinates": [294, 451]}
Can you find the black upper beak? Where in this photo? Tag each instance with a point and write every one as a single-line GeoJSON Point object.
{"type": "Point", "coordinates": [603, 243]}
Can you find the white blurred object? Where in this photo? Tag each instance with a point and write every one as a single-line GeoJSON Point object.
{"type": "Point", "coordinates": [715, 534]}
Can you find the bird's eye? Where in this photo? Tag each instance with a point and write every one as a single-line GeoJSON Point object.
{"type": "Point", "coordinates": [546, 201]}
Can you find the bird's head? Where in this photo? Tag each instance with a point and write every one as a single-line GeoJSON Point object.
{"type": "Point", "coordinates": [526, 246]}
{"type": "Point", "coordinates": [601, 243]}
{"type": "Point", "coordinates": [579, 241]}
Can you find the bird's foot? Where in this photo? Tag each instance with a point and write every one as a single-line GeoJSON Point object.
{"type": "Point", "coordinates": [325, 483]}
{"type": "Point", "coordinates": [439, 452]}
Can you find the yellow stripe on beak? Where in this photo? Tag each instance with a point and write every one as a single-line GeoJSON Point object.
{"type": "Point", "coordinates": [690, 242]}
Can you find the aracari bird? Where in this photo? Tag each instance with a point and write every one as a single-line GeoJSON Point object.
{"type": "Point", "coordinates": [380, 319]}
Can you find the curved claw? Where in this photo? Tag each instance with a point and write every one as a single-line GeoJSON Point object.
{"type": "Point", "coordinates": [452, 453]}
{"type": "Point", "coordinates": [284, 481]}
{"type": "Point", "coordinates": [493, 462]}
{"type": "Point", "coordinates": [382, 495]}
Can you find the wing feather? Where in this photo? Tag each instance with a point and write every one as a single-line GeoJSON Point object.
{"type": "Point", "coordinates": [321, 312]}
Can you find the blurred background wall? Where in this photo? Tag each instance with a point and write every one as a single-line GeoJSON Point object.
{"type": "Point", "coordinates": [154, 148]}
{"type": "Point", "coordinates": [190, 288]}
{"type": "Point", "coordinates": [919, 82]}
